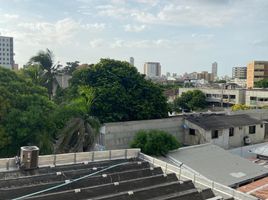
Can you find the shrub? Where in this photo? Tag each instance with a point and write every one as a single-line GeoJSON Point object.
{"type": "Point", "coordinates": [154, 142]}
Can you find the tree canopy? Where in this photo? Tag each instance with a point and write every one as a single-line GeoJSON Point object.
{"type": "Point", "coordinates": [261, 84]}
{"type": "Point", "coordinates": [25, 114]}
{"type": "Point", "coordinates": [154, 142]}
{"type": "Point", "coordinates": [121, 92]}
{"type": "Point", "coordinates": [190, 100]}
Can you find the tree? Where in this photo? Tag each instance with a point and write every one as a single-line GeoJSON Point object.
{"type": "Point", "coordinates": [154, 142]}
{"type": "Point", "coordinates": [71, 67]}
{"type": "Point", "coordinates": [190, 100]}
{"type": "Point", "coordinates": [121, 92]}
{"type": "Point", "coordinates": [25, 115]}
{"type": "Point", "coordinates": [45, 59]}
{"type": "Point", "coordinates": [261, 84]}
{"type": "Point", "coordinates": [240, 107]}
{"type": "Point", "coordinates": [81, 130]}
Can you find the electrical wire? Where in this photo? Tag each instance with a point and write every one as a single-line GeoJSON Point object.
{"type": "Point", "coordinates": [69, 182]}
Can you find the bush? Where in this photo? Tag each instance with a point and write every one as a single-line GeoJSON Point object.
{"type": "Point", "coordinates": [154, 142]}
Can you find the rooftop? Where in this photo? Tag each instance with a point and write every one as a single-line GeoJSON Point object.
{"type": "Point", "coordinates": [215, 122]}
{"type": "Point", "coordinates": [219, 165]}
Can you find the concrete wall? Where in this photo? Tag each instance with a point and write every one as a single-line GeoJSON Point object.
{"type": "Point", "coordinates": [261, 97]}
{"type": "Point", "coordinates": [119, 135]}
{"type": "Point", "coordinates": [261, 114]}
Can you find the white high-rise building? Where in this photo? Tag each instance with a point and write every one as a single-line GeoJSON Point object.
{"type": "Point", "coordinates": [152, 69]}
{"type": "Point", "coordinates": [214, 70]}
{"type": "Point", "coordinates": [131, 61]}
{"type": "Point", "coordinates": [6, 52]}
{"type": "Point", "coordinates": [239, 72]}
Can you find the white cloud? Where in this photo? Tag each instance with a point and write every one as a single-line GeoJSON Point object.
{"type": "Point", "coordinates": [96, 43]}
{"type": "Point", "coordinates": [134, 28]}
{"type": "Point", "coordinates": [94, 26]}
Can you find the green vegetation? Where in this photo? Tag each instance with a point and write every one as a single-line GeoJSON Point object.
{"type": "Point", "coordinates": [240, 107]}
{"type": "Point", "coordinates": [261, 84]}
{"type": "Point", "coordinates": [190, 100]}
{"type": "Point", "coordinates": [121, 92]}
{"type": "Point", "coordinates": [70, 120]}
{"type": "Point", "coordinates": [154, 142]}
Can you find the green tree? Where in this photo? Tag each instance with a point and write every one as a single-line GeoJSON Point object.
{"type": "Point", "coordinates": [154, 142]}
{"type": "Point", "coordinates": [25, 114]}
{"type": "Point", "coordinates": [240, 107]}
{"type": "Point", "coordinates": [70, 67]}
{"type": "Point", "coordinates": [121, 92]}
{"type": "Point", "coordinates": [45, 59]}
{"type": "Point", "coordinates": [261, 84]}
{"type": "Point", "coordinates": [190, 100]}
{"type": "Point", "coordinates": [81, 130]}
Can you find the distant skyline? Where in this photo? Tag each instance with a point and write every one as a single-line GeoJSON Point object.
{"type": "Point", "coordinates": [183, 35]}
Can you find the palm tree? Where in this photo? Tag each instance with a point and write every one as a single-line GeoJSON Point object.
{"type": "Point", "coordinates": [45, 59]}
{"type": "Point", "coordinates": [80, 132]}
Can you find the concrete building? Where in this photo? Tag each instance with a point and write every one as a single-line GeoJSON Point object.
{"type": "Point", "coordinates": [6, 52]}
{"type": "Point", "coordinates": [239, 72]}
{"type": "Point", "coordinates": [131, 61]}
{"type": "Point", "coordinates": [256, 71]}
{"type": "Point", "coordinates": [220, 96]}
{"type": "Point", "coordinates": [257, 98]}
{"type": "Point", "coordinates": [226, 131]}
{"type": "Point", "coordinates": [214, 69]}
{"type": "Point", "coordinates": [206, 76]}
{"type": "Point", "coordinates": [240, 82]}
{"type": "Point", "coordinates": [152, 69]}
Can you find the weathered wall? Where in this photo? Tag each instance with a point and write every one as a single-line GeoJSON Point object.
{"type": "Point", "coordinates": [118, 135]}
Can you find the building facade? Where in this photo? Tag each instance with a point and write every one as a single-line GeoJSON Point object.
{"type": "Point", "coordinates": [257, 98]}
{"type": "Point", "coordinates": [214, 69]}
{"type": "Point", "coordinates": [256, 71]}
{"type": "Point", "coordinates": [206, 76]}
{"type": "Point", "coordinates": [6, 52]}
{"type": "Point", "coordinates": [131, 61]}
{"type": "Point", "coordinates": [152, 69]}
{"type": "Point", "coordinates": [239, 72]}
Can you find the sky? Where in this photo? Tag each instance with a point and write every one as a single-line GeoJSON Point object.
{"type": "Point", "coordinates": [183, 35]}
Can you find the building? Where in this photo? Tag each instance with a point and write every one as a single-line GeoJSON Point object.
{"type": "Point", "coordinates": [239, 72]}
{"type": "Point", "coordinates": [168, 74]}
{"type": "Point", "coordinates": [206, 76]}
{"type": "Point", "coordinates": [226, 131]}
{"type": "Point", "coordinates": [256, 71]}
{"type": "Point", "coordinates": [131, 61]}
{"type": "Point", "coordinates": [220, 97]}
{"type": "Point", "coordinates": [214, 69]}
{"type": "Point", "coordinates": [123, 174]}
{"type": "Point", "coordinates": [152, 69]}
{"type": "Point", "coordinates": [257, 97]}
{"type": "Point", "coordinates": [218, 164]}
{"type": "Point", "coordinates": [6, 52]}
{"type": "Point", "coordinates": [240, 82]}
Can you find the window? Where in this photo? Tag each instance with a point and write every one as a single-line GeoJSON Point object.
{"type": "Point", "coordinates": [253, 98]}
{"type": "Point", "coordinates": [231, 132]}
{"type": "Point", "coordinates": [261, 125]}
{"type": "Point", "coordinates": [252, 129]}
{"type": "Point", "coordinates": [240, 127]}
{"type": "Point", "coordinates": [214, 134]}
{"type": "Point", "coordinates": [192, 131]}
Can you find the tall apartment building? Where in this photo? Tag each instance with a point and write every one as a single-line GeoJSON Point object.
{"type": "Point", "coordinates": [256, 71]}
{"type": "Point", "coordinates": [205, 75]}
{"type": "Point", "coordinates": [152, 69]}
{"type": "Point", "coordinates": [6, 52]}
{"type": "Point", "coordinates": [131, 61]}
{"type": "Point", "coordinates": [214, 70]}
{"type": "Point", "coordinates": [239, 72]}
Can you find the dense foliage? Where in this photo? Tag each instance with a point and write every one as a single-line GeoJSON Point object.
{"type": "Point", "coordinates": [154, 142]}
{"type": "Point", "coordinates": [261, 84]}
{"type": "Point", "coordinates": [190, 100]}
{"type": "Point", "coordinates": [121, 92]}
{"type": "Point", "coordinates": [25, 114]}
{"type": "Point", "coordinates": [240, 107]}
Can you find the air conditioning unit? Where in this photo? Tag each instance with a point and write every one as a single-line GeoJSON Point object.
{"type": "Point", "coordinates": [29, 157]}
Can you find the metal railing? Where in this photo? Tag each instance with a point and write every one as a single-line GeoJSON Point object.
{"type": "Point", "coordinates": [183, 173]}
{"type": "Point", "coordinates": [73, 158]}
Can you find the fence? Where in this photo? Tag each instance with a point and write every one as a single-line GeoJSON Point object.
{"type": "Point", "coordinates": [183, 173]}
{"type": "Point", "coordinates": [72, 158]}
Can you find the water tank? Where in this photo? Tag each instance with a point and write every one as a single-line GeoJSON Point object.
{"type": "Point", "coordinates": [29, 157]}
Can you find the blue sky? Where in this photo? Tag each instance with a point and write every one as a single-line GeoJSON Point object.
{"type": "Point", "coordinates": [183, 35]}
